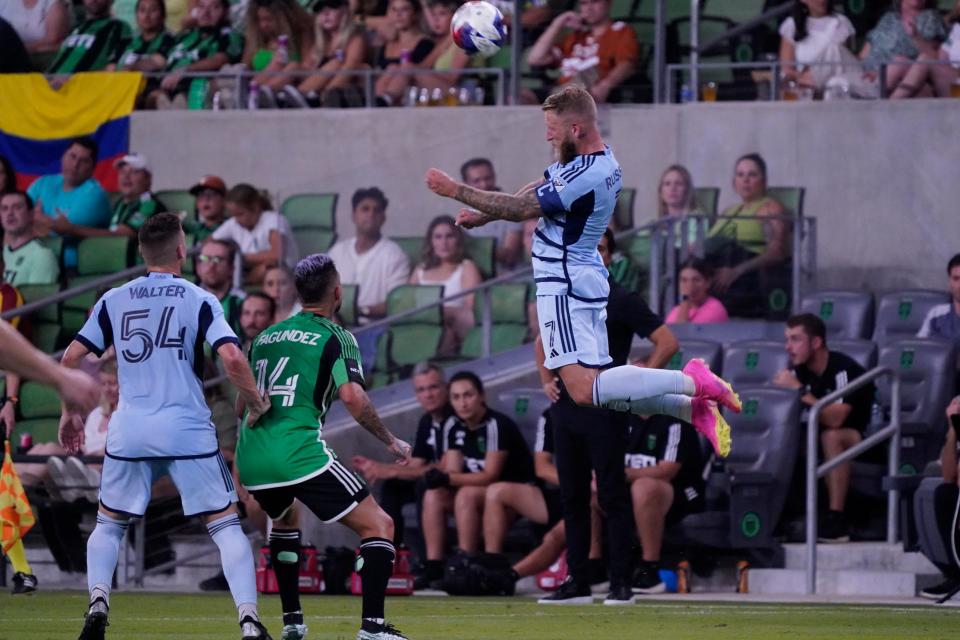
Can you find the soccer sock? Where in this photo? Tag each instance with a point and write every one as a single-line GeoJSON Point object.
{"type": "Point", "coordinates": [619, 387]}
{"type": "Point", "coordinates": [237, 561]}
{"type": "Point", "coordinates": [18, 558]}
{"type": "Point", "coordinates": [375, 566]}
{"type": "Point", "coordinates": [669, 404]}
{"type": "Point", "coordinates": [285, 553]}
{"type": "Point", "coordinates": [103, 549]}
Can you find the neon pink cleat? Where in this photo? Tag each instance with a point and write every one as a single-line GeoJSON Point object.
{"type": "Point", "coordinates": [707, 420]}
{"type": "Point", "coordinates": [710, 385]}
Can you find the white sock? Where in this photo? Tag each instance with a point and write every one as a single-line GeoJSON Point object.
{"type": "Point", "coordinates": [236, 558]}
{"type": "Point", "coordinates": [103, 549]}
{"type": "Point", "coordinates": [669, 404]}
{"type": "Point", "coordinates": [627, 384]}
{"type": "Point", "coordinates": [248, 609]}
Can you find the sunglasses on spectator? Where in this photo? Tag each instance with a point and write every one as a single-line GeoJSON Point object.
{"type": "Point", "coordinates": [213, 259]}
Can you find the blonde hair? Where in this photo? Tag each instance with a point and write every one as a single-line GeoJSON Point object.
{"type": "Point", "coordinates": [690, 204]}
{"type": "Point", "coordinates": [347, 29]}
{"type": "Point", "coordinates": [571, 99]}
{"type": "Point", "coordinates": [292, 19]}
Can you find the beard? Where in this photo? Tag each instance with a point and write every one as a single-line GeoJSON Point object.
{"type": "Point", "coordinates": [567, 151]}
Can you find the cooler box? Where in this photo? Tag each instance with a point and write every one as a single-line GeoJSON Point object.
{"type": "Point", "coordinates": [399, 584]}
{"type": "Point", "coordinates": [311, 572]}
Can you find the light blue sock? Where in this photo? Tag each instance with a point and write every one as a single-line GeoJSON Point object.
{"type": "Point", "coordinates": [103, 549]}
{"type": "Point", "coordinates": [627, 384]}
{"type": "Point", "coordinates": [236, 558]}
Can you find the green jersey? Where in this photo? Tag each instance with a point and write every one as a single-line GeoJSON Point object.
{"type": "Point", "coordinates": [91, 46]}
{"type": "Point", "coordinates": [200, 44]}
{"type": "Point", "coordinates": [300, 363]}
{"type": "Point", "coordinates": [134, 214]}
{"type": "Point", "coordinates": [30, 263]}
{"type": "Point", "coordinates": [140, 48]}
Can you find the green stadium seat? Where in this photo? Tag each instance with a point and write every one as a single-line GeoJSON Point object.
{"type": "Point", "coordinates": [673, 9]}
{"type": "Point", "coordinates": [508, 303]}
{"type": "Point", "coordinates": [45, 336]}
{"type": "Point", "coordinates": [483, 251]}
{"type": "Point", "coordinates": [41, 430]}
{"type": "Point", "coordinates": [789, 197]}
{"type": "Point", "coordinates": [314, 239]}
{"type": "Point", "coordinates": [737, 10]}
{"type": "Point", "coordinates": [100, 256]}
{"type": "Point", "coordinates": [412, 246]}
{"type": "Point", "coordinates": [39, 412]}
{"type": "Point", "coordinates": [707, 199]}
{"type": "Point", "coordinates": [348, 306]}
{"type": "Point", "coordinates": [623, 9]}
{"type": "Point", "coordinates": [316, 210]}
{"type": "Point", "coordinates": [502, 338]}
{"type": "Point", "coordinates": [177, 200]}
{"type": "Point", "coordinates": [411, 296]}
{"type": "Point", "coordinates": [55, 244]}
{"type": "Point", "coordinates": [34, 292]}
{"type": "Point", "coordinates": [412, 343]}
{"type": "Point", "coordinates": [623, 214]}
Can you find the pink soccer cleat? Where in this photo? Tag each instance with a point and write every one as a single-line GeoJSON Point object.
{"type": "Point", "coordinates": [710, 385]}
{"type": "Point", "coordinates": [707, 420]}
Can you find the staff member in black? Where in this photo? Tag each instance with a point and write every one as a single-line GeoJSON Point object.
{"type": "Point", "coordinates": [589, 439]}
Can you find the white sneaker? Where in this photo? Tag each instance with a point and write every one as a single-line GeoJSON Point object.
{"type": "Point", "coordinates": [386, 631]}
{"type": "Point", "coordinates": [84, 477]}
{"type": "Point", "coordinates": [294, 632]}
{"type": "Point", "coordinates": [59, 478]}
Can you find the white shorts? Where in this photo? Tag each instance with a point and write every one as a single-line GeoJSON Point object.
{"type": "Point", "coordinates": [573, 331]}
{"type": "Point", "coordinates": [205, 484]}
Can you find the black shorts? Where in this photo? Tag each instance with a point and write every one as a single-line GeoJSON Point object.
{"type": "Point", "coordinates": [683, 506]}
{"type": "Point", "coordinates": [330, 495]}
{"type": "Point", "coordinates": [554, 502]}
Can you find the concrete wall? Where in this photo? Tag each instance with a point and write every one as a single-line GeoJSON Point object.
{"type": "Point", "coordinates": [880, 177]}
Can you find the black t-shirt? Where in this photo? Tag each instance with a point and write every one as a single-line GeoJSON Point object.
{"type": "Point", "coordinates": [13, 55]}
{"type": "Point", "coordinates": [431, 437]}
{"type": "Point", "coordinates": [841, 370]}
{"type": "Point", "coordinates": [663, 438]}
{"type": "Point", "coordinates": [496, 432]}
{"type": "Point", "coordinates": [627, 315]}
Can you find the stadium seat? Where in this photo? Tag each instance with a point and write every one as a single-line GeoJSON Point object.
{"type": "Point", "coordinates": [900, 314]}
{"type": "Point", "coordinates": [737, 11]}
{"type": "Point", "coordinates": [483, 251]}
{"type": "Point", "coordinates": [707, 199]}
{"type": "Point", "coordinates": [39, 412]}
{"type": "Point", "coordinates": [410, 296]}
{"type": "Point", "coordinates": [314, 240]}
{"type": "Point", "coordinates": [789, 197]}
{"type": "Point", "coordinates": [847, 314]}
{"type": "Point", "coordinates": [55, 244]}
{"type": "Point", "coordinates": [623, 214]}
{"type": "Point", "coordinates": [672, 9]}
{"type": "Point", "coordinates": [96, 257]}
{"type": "Point", "coordinates": [930, 534]}
{"type": "Point", "coordinates": [412, 246]}
{"type": "Point", "coordinates": [177, 200]}
{"type": "Point", "coordinates": [508, 303]}
{"type": "Point", "coordinates": [863, 351]}
{"type": "Point", "coordinates": [348, 306]}
{"type": "Point", "coordinates": [927, 371]}
{"type": "Point", "coordinates": [623, 9]}
{"type": "Point", "coordinates": [523, 406]}
{"type": "Point", "coordinates": [745, 503]}
{"type": "Point", "coordinates": [710, 352]}
{"type": "Point", "coordinates": [44, 324]}
{"type": "Point", "coordinates": [313, 210]}
{"type": "Point", "coordinates": [408, 344]}
{"type": "Point", "coordinates": [502, 338]}
{"type": "Point", "coordinates": [753, 362]}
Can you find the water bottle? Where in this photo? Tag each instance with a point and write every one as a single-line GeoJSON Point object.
{"type": "Point", "coordinates": [252, 94]}
{"type": "Point", "coordinates": [216, 103]}
{"type": "Point", "coordinates": [283, 50]}
{"type": "Point", "coordinates": [686, 94]}
{"type": "Point", "coordinates": [26, 442]}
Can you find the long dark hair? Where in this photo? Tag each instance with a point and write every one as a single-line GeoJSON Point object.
{"type": "Point", "coordinates": [800, 14]}
{"type": "Point", "coordinates": [427, 255]}
{"type": "Point", "coordinates": [10, 179]}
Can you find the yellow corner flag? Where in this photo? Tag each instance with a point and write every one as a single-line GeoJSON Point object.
{"type": "Point", "coordinates": [16, 517]}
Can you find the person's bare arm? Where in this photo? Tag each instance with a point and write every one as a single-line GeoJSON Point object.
{"type": "Point", "coordinates": [541, 53]}
{"type": "Point", "coordinates": [271, 255]}
{"type": "Point", "coordinates": [238, 371]}
{"type": "Point", "coordinates": [8, 411]}
{"type": "Point", "coordinates": [493, 465]}
{"type": "Point", "coordinates": [548, 379]}
{"type": "Point", "coordinates": [617, 76]}
{"type": "Point", "coordinates": [663, 470]}
{"type": "Point", "coordinates": [494, 204]}
{"type": "Point", "coordinates": [545, 468]}
{"type": "Point", "coordinates": [71, 431]}
{"type": "Point", "coordinates": [777, 245]}
{"type": "Point", "coordinates": [788, 56]}
{"type": "Point", "coordinates": [213, 63]}
{"type": "Point", "coordinates": [665, 345]}
{"type": "Point", "coordinates": [357, 402]}
{"type": "Point", "coordinates": [948, 457]}
{"type": "Point", "coordinates": [56, 27]}
{"type": "Point", "coordinates": [353, 56]}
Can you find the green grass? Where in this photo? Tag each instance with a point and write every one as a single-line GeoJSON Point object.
{"type": "Point", "coordinates": [58, 615]}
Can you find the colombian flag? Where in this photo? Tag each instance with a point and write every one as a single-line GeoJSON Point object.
{"type": "Point", "coordinates": [37, 122]}
{"type": "Point", "coordinates": [16, 517]}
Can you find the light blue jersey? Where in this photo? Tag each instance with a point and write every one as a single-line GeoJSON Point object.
{"type": "Point", "coordinates": [158, 324]}
{"type": "Point", "coordinates": [577, 199]}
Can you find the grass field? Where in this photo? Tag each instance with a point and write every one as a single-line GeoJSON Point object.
{"type": "Point", "coordinates": [58, 616]}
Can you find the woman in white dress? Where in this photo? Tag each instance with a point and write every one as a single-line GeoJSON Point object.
{"type": "Point", "coordinates": [813, 44]}
{"type": "Point", "coordinates": [41, 24]}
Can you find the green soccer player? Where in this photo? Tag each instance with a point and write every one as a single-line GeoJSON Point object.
{"type": "Point", "coordinates": [303, 364]}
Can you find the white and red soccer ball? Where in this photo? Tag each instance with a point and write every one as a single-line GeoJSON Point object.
{"type": "Point", "coordinates": [477, 28]}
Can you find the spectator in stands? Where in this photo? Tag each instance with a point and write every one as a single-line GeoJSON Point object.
{"type": "Point", "coordinates": [479, 174]}
{"type": "Point", "coordinates": [42, 25]}
{"type": "Point", "coordinates": [677, 199]}
{"type": "Point", "coordinates": [945, 501]}
{"type": "Point", "coordinates": [215, 274]}
{"type": "Point", "coordinates": [210, 206]}
{"type": "Point", "coordinates": [446, 55]}
{"type": "Point", "coordinates": [664, 468]}
{"type": "Point", "coordinates": [207, 47]}
{"type": "Point", "coordinates": [13, 55]}
{"type": "Point", "coordinates": [26, 260]}
{"type": "Point", "coordinates": [950, 51]}
{"type": "Point", "coordinates": [153, 43]}
{"type": "Point", "coordinates": [278, 284]}
{"type": "Point", "coordinates": [136, 203]}
{"type": "Point", "coordinates": [696, 304]}
{"type": "Point", "coordinates": [590, 49]}
{"type": "Point", "coordinates": [94, 43]}
{"type": "Point", "coordinates": [747, 238]}
{"type": "Point", "coordinates": [943, 320]}
{"type": "Point", "coordinates": [817, 372]}
{"type": "Point", "coordinates": [407, 49]}
{"type": "Point", "coordinates": [444, 262]}
{"type": "Point", "coordinates": [264, 237]}
{"type": "Point", "coordinates": [813, 44]}
{"type": "Point", "coordinates": [73, 194]}
{"type": "Point", "coordinates": [267, 22]}
{"type": "Point", "coordinates": [398, 487]}
{"type": "Point", "coordinates": [911, 32]}
{"type": "Point", "coordinates": [8, 176]}
{"type": "Point", "coordinates": [483, 447]}
{"type": "Point", "coordinates": [374, 263]}
{"type": "Point", "coordinates": [256, 314]}
{"type": "Point", "coordinates": [339, 45]}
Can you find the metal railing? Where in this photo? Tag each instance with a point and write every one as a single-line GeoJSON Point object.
{"type": "Point", "coordinates": [814, 472]}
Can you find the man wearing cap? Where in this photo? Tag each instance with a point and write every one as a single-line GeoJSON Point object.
{"type": "Point", "coordinates": [210, 208]}
{"type": "Point", "coordinates": [135, 205]}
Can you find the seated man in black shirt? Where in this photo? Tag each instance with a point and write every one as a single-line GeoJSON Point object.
{"type": "Point", "coordinates": [483, 447]}
{"type": "Point", "coordinates": [817, 371]}
{"type": "Point", "coordinates": [664, 468]}
{"type": "Point", "coordinates": [398, 486]}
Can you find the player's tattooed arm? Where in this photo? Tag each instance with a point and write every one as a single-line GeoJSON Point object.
{"type": "Point", "coordinates": [502, 206]}
{"type": "Point", "coordinates": [357, 402]}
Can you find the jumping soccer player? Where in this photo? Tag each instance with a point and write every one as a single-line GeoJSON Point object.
{"type": "Point", "coordinates": [158, 324]}
{"type": "Point", "coordinates": [574, 201]}
{"type": "Point", "coordinates": [303, 364]}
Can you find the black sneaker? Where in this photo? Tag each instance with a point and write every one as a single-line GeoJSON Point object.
{"type": "Point", "coordinates": [24, 583]}
{"type": "Point", "coordinates": [95, 621]}
{"type": "Point", "coordinates": [940, 590]}
{"type": "Point", "coordinates": [647, 580]}
{"type": "Point", "coordinates": [620, 595]}
{"type": "Point", "coordinates": [373, 631]}
{"type": "Point", "coordinates": [833, 528]}
{"type": "Point", "coordinates": [568, 593]}
{"type": "Point", "coordinates": [216, 583]}
{"type": "Point", "coordinates": [253, 629]}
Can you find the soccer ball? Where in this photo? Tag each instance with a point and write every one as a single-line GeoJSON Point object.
{"type": "Point", "coordinates": [477, 28]}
